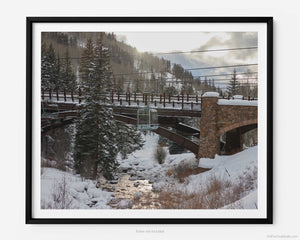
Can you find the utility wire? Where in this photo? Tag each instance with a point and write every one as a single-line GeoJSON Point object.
{"type": "Point", "coordinates": [208, 50]}
{"type": "Point", "coordinates": [189, 69]}
{"type": "Point", "coordinates": [230, 66]}
{"type": "Point", "coordinates": [167, 53]}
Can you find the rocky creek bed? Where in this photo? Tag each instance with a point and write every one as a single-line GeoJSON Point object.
{"type": "Point", "coordinates": [131, 192]}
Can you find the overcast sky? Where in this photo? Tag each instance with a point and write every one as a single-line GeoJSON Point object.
{"type": "Point", "coordinates": [161, 42]}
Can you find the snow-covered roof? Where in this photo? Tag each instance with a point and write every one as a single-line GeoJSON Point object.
{"type": "Point", "coordinates": [210, 94]}
{"type": "Point", "coordinates": [237, 102]}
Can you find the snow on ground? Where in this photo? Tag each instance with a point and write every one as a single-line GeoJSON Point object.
{"type": "Point", "coordinates": [143, 162]}
{"type": "Point", "coordinates": [247, 202]}
{"type": "Point", "coordinates": [65, 190]}
{"type": "Point", "coordinates": [143, 165]}
{"type": "Point", "coordinates": [231, 165]}
{"type": "Point", "coordinates": [227, 168]}
{"type": "Point", "coordinates": [234, 168]}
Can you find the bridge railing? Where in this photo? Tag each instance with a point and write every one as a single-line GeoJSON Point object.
{"type": "Point", "coordinates": [180, 101]}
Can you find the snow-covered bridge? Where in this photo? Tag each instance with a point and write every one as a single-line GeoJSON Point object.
{"type": "Point", "coordinates": [232, 117]}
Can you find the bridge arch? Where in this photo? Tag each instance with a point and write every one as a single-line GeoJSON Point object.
{"type": "Point", "coordinates": [219, 116]}
{"type": "Point", "coordinates": [236, 125]}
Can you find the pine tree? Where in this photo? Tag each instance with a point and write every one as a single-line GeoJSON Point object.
{"type": "Point", "coordinates": [234, 85]}
{"type": "Point", "coordinates": [49, 68]}
{"type": "Point", "coordinates": [129, 139]}
{"type": "Point", "coordinates": [67, 75]}
{"type": "Point", "coordinates": [98, 135]}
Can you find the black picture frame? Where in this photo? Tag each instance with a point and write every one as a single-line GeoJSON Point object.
{"type": "Point", "coordinates": [29, 119]}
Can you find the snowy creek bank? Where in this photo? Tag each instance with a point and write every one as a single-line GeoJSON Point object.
{"type": "Point", "coordinates": [142, 183]}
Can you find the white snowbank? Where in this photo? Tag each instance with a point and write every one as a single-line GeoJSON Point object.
{"type": "Point", "coordinates": [237, 102]}
{"type": "Point", "coordinates": [235, 164]}
{"type": "Point", "coordinates": [247, 202]}
{"type": "Point", "coordinates": [227, 168]}
{"type": "Point", "coordinates": [71, 191]}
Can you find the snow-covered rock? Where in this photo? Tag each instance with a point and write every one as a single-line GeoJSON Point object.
{"type": "Point", "coordinates": [77, 193]}
{"type": "Point", "coordinates": [137, 196]}
{"type": "Point", "coordinates": [125, 203]}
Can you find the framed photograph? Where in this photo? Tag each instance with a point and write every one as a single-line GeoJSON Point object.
{"type": "Point", "coordinates": [149, 120]}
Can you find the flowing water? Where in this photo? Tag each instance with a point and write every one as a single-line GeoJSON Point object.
{"type": "Point", "coordinates": [138, 191]}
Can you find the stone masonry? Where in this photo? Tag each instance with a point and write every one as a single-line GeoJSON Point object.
{"type": "Point", "coordinates": [219, 119]}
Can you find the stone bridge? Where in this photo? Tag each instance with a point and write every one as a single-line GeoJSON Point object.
{"type": "Point", "coordinates": [219, 116]}
{"type": "Point", "coordinates": [232, 117]}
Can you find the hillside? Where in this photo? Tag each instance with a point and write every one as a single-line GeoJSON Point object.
{"type": "Point", "coordinates": [133, 71]}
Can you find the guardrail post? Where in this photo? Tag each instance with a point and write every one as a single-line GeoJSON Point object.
{"type": "Point", "coordinates": [155, 103]}
{"type": "Point", "coordinates": [129, 98]}
{"type": "Point", "coordinates": [138, 102]}
{"type": "Point", "coordinates": [182, 102]}
{"type": "Point", "coordinates": [160, 98]}
{"type": "Point", "coordinates": [72, 96]}
{"type": "Point", "coordinates": [173, 104]}
{"type": "Point", "coordinates": [196, 98]}
{"type": "Point", "coordinates": [169, 98]}
{"type": "Point", "coordinates": [152, 97]}
{"type": "Point", "coordinates": [187, 97]}
{"type": "Point", "coordinates": [178, 98]}
{"type": "Point", "coordinates": [121, 101]}
{"type": "Point", "coordinates": [135, 97]}
{"type": "Point", "coordinates": [50, 94]}
{"type": "Point", "coordinates": [118, 96]}
{"type": "Point", "coordinates": [112, 96]}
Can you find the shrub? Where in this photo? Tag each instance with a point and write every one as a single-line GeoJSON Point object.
{"type": "Point", "coordinates": [160, 154]}
{"type": "Point", "coordinates": [215, 192]}
{"type": "Point", "coordinates": [60, 197]}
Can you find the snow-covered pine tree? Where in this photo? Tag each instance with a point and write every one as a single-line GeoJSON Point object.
{"type": "Point", "coordinates": [67, 75]}
{"type": "Point", "coordinates": [234, 85]}
{"type": "Point", "coordinates": [129, 139]}
{"type": "Point", "coordinates": [49, 68]}
{"type": "Point", "coordinates": [98, 140]}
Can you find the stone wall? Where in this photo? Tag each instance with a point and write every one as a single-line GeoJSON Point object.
{"type": "Point", "coordinates": [218, 119]}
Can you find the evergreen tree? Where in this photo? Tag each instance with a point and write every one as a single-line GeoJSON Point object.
{"type": "Point", "coordinates": [234, 85]}
{"type": "Point", "coordinates": [67, 75]}
{"type": "Point", "coordinates": [129, 139]}
{"type": "Point", "coordinates": [49, 68]}
{"type": "Point", "coordinates": [99, 137]}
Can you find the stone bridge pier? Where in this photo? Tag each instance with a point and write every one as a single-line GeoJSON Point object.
{"type": "Point", "coordinates": [232, 117]}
